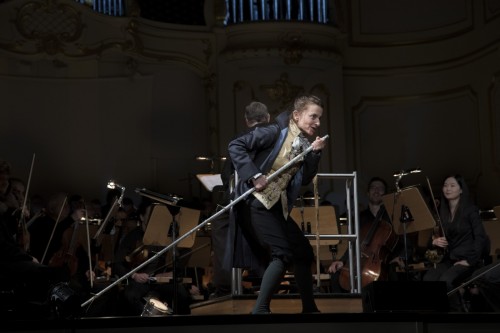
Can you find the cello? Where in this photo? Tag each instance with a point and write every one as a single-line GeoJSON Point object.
{"type": "Point", "coordinates": [379, 239]}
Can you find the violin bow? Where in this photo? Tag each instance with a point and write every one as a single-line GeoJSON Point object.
{"type": "Point", "coordinates": [25, 199]}
{"type": "Point", "coordinates": [438, 218]}
{"type": "Point", "coordinates": [89, 250]}
{"type": "Point", "coordinates": [54, 229]}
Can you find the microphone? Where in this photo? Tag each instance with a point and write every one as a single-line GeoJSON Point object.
{"type": "Point", "coordinates": [407, 172]}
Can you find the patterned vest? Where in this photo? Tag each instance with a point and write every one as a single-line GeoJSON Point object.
{"type": "Point", "coordinates": [294, 144]}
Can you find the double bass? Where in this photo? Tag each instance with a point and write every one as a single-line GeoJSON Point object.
{"type": "Point", "coordinates": [378, 241]}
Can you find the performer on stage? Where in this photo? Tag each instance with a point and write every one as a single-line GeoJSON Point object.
{"type": "Point", "coordinates": [256, 114]}
{"type": "Point", "coordinates": [264, 215]}
{"type": "Point", "coordinates": [464, 238]}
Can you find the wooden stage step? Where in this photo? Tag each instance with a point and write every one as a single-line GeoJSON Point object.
{"type": "Point", "coordinates": [281, 303]}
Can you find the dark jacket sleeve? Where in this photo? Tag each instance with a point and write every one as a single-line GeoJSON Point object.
{"type": "Point", "coordinates": [248, 150]}
{"type": "Point", "coordinates": [468, 237]}
{"type": "Point", "coordinates": [479, 237]}
{"type": "Point", "coordinates": [311, 165]}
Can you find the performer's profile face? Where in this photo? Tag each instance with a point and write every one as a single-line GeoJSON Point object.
{"type": "Point", "coordinates": [308, 120]}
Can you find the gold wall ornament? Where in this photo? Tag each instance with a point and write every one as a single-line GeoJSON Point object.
{"type": "Point", "coordinates": [282, 91]}
{"type": "Point", "coordinates": [50, 24]}
{"type": "Point", "coordinates": [294, 46]}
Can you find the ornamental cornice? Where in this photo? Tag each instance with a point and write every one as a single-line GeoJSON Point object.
{"type": "Point", "coordinates": [67, 29]}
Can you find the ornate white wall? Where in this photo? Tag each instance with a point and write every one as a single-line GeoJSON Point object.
{"type": "Point", "coordinates": [407, 84]}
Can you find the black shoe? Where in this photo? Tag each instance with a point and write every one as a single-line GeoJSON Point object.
{"type": "Point", "coordinates": [313, 310]}
{"type": "Point", "coordinates": [218, 293]}
{"type": "Point", "coordinates": [261, 313]}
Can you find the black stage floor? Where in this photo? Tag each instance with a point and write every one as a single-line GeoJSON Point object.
{"type": "Point", "coordinates": [273, 323]}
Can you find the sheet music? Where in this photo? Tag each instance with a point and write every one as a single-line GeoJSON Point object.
{"type": "Point", "coordinates": [210, 180]}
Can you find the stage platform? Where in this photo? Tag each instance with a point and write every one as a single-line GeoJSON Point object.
{"type": "Point", "coordinates": [273, 323]}
{"type": "Point", "coordinates": [339, 313]}
{"type": "Point", "coordinates": [281, 304]}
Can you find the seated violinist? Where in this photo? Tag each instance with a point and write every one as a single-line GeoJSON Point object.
{"type": "Point", "coordinates": [30, 280]}
{"type": "Point", "coordinates": [73, 253]}
{"type": "Point", "coordinates": [375, 214]}
{"type": "Point", "coordinates": [464, 243]}
{"type": "Point", "coordinates": [142, 284]}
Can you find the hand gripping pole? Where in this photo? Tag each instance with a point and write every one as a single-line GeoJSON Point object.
{"type": "Point", "coordinates": [210, 219]}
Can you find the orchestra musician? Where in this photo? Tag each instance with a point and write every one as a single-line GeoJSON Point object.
{"type": "Point", "coordinates": [12, 191]}
{"type": "Point", "coordinates": [41, 242]}
{"type": "Point", "coordinates": [465, 240]}
{"type": "Point", "coordinates": [131, 252]}
{"type": "Point", "coordinates": [7, 200]}
{"type": "Point", "coordinates": [374, 216]}
{"type": "Point", "coordinates": [74, 254]}
{"type": "Point", "coordinates": [30, 280]}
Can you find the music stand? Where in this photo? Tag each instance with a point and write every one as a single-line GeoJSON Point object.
{"type": "Point", "coordinates": [305, 218]}
{"type": "Point", "coordinates": [167, 199]}
{"type": "Point", "coordinates": [496, 210]}
{"type": "Point", "coordinates": [493, 231]}
{"type": "Point", "coordinates": [209, 181]}
{"type": "Point", "coordinates": [161, 219]}
{"type": "Point", "coordinates": [327, 222]}
{"type": "Point", "coordinates": [409, 213]}
{"type": "Point", "coordinates": [165, 224]}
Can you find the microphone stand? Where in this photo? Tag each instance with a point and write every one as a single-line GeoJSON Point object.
{"type": "Point", "coordinates": [210, 219]}
{"type": "Point", "coordinates": [472, 279]}
{"type": "Point", "coordinates": [405, 214]}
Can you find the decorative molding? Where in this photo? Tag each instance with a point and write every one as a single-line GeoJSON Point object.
{"type": "Point", "coordinates": [62, 28]}
{"type": "Point", "coordinates": [195, 50]}
{"type": "Point", "coordinates": [288, 41]}
{"type": "Point", "coordinates": [494, 105]}
{"type": "Point", "coordinates": [293, 51]}
{"type": "Point", "coordinates": [50, 22]}
{"type": "Point", "coordinates": [419, 131]}
{"type": "Point", "coordinates": [407, 26]}
{"type": "Point", "coordinates": [491, 10]}
{"type": "Point", "coordinates": [468, 58]}
{"type": "Point", "coordinates": [282, 91]}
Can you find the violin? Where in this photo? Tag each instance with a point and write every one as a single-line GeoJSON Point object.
{"type": "Point", "coordinates": [139, 255]}
{"type": "Point", "coordinates": [65, 256]}
{"type": "Point", "coordinates": [22, 234]}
